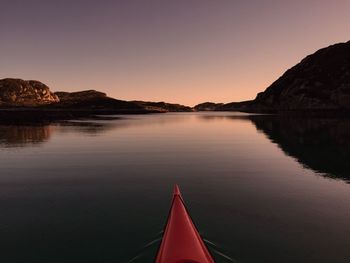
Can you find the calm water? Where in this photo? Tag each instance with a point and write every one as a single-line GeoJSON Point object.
{"type": "Point", "coordinates": [259, 188]}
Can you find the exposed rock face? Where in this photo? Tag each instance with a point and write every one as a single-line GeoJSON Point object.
{"type": "Point", "coordinates": [18, 92]}
{"type": "Point", "coordinates": [320, 81]}
{"type": "Point", "coordinates": [163, 106]}
{"type": "Point", "coordinates": [208, 106]}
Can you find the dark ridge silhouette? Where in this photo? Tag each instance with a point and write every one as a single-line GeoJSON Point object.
{"type": "Point", "coordinates": [207, 106]}
{"type": "Point", "coordinates": [320, 83]}
{"type": "Point", "coordinates": [163, 106]}
{"type": "Point", "coordinates": [92, 100]}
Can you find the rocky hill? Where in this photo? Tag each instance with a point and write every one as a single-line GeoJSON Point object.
{"type": "Point", "coordinates": [319, 83]}
{"type": "Point", "coordinates": [17, 92]}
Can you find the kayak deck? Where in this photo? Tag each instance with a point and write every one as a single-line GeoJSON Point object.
{"type": "Point", "coordinates": [181, 241]}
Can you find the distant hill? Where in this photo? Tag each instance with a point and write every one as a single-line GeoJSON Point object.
{"type": "Point", "coordinates": [320, 82]}
{"type": "Point", "coordinates": [208, 106]}
{"type": "Point", "coordinates": [163, 106]}
{"type": "Point", "coordinates": [94, 100]}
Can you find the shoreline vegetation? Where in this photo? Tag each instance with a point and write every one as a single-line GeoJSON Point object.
{"type": "Point", "coordinates": [318, 85]}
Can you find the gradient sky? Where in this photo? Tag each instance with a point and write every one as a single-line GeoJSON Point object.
{"type": "Point", "coordinates": [183, 51]}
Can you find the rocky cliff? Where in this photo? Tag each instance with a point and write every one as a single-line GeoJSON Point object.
{"type": "Point", "coordinates": [18, 92]}
{"type": "Point", "coordinates": [320, 81]}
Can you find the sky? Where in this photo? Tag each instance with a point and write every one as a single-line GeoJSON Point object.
{"type": "Point", "coordinates": [180, 51]}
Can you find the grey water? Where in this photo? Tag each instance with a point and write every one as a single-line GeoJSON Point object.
{"type": "Point", "coordinates": [259, 188]}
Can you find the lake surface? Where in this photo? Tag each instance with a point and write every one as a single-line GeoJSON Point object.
{"type": "Point", "coordinates": [259, 188]}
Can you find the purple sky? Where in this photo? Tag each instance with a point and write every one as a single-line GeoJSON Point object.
{"type": "Point", "coordinates": [185, 51]}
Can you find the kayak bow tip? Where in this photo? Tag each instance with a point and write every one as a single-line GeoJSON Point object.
{"type": "Point", "coordinates": [177, 190]}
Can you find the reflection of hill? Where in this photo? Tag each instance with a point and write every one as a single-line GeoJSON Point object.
{"type": "Point", "coordinates": [85, 127]}
{"type": "Point", "coordinates": [320, 144]}
{"type": "Point", "coordinates": [18, 136]}
{"type": "Point", "coordinates": [233, 116]}
{"type": "Point", "coordinates": [30, 135]}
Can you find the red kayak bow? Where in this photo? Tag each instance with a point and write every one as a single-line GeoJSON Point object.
{"type": "Point", "coordinates": [181, 241]}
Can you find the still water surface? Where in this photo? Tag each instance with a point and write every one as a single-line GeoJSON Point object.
{"type": "Point", "coordinates": [259, 188]}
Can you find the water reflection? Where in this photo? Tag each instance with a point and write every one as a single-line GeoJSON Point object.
{"type": "Point", "coordinates": [99, 190]}
{"type": "Point", "coordinates": [92, 128]}
{"type": "Point", "coordinates": [320, 144]}
{"type": "Point", "coordinates": [38, 134]}
{"type": "Point", "coordinates": [20, 136]}
{"type": "Point", "coordinates": [35, 134]}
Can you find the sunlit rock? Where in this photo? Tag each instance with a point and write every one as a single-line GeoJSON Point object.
{"type": "Point", "coordinates": [18, 92]}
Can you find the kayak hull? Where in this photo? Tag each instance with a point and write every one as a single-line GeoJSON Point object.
{"type": "Point", "coordinates": [181, 242]}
